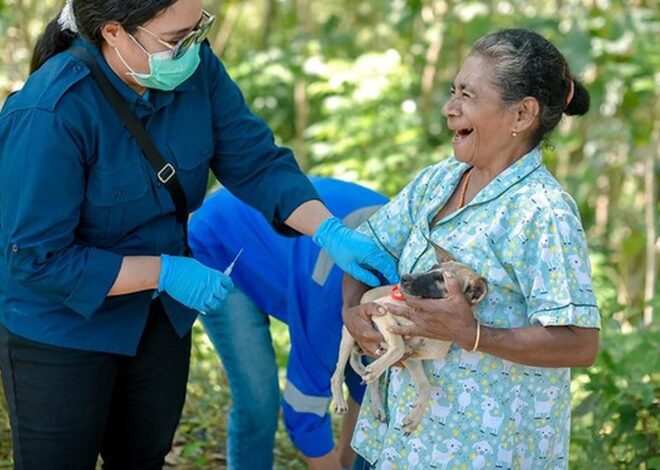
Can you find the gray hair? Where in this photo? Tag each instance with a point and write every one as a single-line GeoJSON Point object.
{"type": "Point", "coordinates": [527, 65]}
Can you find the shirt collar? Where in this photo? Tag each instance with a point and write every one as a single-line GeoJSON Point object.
{"type": "Point", "coordinates": [126, 92]}
{"type": "Point", "coordinates": [511, 176]}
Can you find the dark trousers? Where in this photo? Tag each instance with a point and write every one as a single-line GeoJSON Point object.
{"type": "Point", "coordinates": [68, 406]}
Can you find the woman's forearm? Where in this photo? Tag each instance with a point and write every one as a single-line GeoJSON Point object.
{"type": "Point", "coordinates": [308, 216]}
{"type": "Point", "coordinates": [137, 273]}
{"type": "Point", "coordinates": [352, 291]}
{"type": "Point", "coordinates": [551, 346]}
{"type": "Point", "coordinates": [452, 319]}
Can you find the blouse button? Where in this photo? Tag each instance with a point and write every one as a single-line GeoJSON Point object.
{"type": "Point", "coordinates": [15, 249]}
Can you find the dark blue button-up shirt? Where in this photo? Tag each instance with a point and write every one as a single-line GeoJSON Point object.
{"type": "Point", "coordinates": [77, 194]}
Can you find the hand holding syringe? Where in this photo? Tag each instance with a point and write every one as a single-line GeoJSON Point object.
{"type": "Point", "coordinates": [228, 270]}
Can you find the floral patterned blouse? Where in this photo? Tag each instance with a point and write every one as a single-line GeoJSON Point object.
{"type": "Point", "coordinates": [523, 233]}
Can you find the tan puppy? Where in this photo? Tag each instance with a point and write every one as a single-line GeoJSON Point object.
{"type": "Point", "coordinates": [428, 285]}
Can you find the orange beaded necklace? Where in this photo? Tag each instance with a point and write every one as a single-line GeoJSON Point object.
{"type": "Point", "coordinates": [461, 201]}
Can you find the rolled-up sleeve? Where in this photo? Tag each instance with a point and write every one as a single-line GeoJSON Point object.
{"type": "Point", "coordinates": [246, 160]}
{"type": "Point", "coordinates": [43, 188]}
{"type": "Point", "coordinates": [307, 421]}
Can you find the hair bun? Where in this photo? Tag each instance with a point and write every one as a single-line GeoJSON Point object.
{"type": "Point", "coordinates": [579, 105]}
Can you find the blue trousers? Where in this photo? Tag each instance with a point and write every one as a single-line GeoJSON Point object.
{"type": "Point", "coordinates": [240, 332]}
{"type": "Point", "coordinates": [241, 336]}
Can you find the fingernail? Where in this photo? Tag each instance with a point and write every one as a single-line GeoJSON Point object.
{"type": "Point", "coordinates": [381, 310]}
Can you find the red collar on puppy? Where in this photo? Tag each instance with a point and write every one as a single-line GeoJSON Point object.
{"type": "Point", "coordinates": [396, 294]}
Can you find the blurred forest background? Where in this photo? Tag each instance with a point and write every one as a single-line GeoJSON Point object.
{"type": "Point", "coordinates": [356, 89]}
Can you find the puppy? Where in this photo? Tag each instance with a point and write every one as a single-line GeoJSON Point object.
{"type": "Point", "coordinates": [428, 285]}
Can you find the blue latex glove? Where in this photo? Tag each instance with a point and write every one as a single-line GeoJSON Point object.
{"type": "Point", "coordinates": [354, 253]}
{"type": "Point", "coordinates": [191, 283]}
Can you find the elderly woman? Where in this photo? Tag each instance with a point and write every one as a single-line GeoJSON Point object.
{"type": "Point", "coordinates": [501, 397]}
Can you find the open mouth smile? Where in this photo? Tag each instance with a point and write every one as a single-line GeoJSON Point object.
{"type": "Point", "coordinates": [462, 134]}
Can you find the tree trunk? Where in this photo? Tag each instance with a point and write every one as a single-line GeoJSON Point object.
{"type": "Point", "coordinates": [270, 13]}
{"type": "Point", "coordinates": [303, 9]}
{"type": "Point", "coordinates": [301, 121]}
{"type": "Point", "coordinates": [224, 33]}
{"type": "Point", "coordinates": [430, 72]}
{"type": "Point", "coordinates": [651, 208]}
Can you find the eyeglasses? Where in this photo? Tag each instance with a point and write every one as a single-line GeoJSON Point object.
{"type": "Point", "coordinates": [196, 36]}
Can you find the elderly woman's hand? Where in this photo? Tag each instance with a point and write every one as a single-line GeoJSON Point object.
{"type": "Point", "coordinates": [448, 319]}
{"type": "Point", "coordinates": [358, 322]}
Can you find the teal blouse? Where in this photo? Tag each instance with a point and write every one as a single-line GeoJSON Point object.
{"type": "Point", "coordinates": [523, 233]}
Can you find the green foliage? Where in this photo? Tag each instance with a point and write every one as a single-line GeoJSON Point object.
{"type": "Point", "coordinates": [5, 435]}
{"type": "Point", "coordinates": [200, 439]}
{"type": "Point", "coordinates": [615, 422]}
{"type": "Point", "coordinates": [356, 88]}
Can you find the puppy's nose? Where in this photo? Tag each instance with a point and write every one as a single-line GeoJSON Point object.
{"type": "Point", "coordinates": [406, 278]}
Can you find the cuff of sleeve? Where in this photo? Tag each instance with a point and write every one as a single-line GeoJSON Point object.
{"type": "Point", "coordinates": [581, 315]}
{"type": "Point", "coordinates": [299, 190]}
{"type": "Point", "coordinates": [282, 228]}
{"type": "Point", "coordinates": [100, 273]}
{"type": "Point", "coordinates": [313, 440]}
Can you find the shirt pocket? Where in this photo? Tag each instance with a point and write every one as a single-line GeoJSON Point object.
{"type": "Point", "coordinates": [117, 200]}
{"type": "Point", "coordinates": [192, 159]}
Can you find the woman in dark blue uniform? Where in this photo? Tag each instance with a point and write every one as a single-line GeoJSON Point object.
{"type": "Point", "coordinates": [96, 299]}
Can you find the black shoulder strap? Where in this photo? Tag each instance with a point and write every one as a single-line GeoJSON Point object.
{"type": "Point", "coordinates": [165, 171]}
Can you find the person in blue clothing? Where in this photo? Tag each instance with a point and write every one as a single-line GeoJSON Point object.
{"type": "Point", "coordinates": [96, 297]}
{"type": "Point", "coordinates": [294, 281]}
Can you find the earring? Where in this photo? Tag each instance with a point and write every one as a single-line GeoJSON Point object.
{"type": "Point", "coordinates": [514, 134]}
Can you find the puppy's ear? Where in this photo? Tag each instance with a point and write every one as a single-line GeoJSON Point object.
{"type": "Point", "coordinates": [441, 254]}
{"type": "Point", "coordinates": [477, 290]}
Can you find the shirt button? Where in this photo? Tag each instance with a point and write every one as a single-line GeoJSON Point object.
{"type": "Point", "coordinates": [118, 193]}
{"type": "Point", "coordinates": [15, 249]}
{"type": "Point", "coordinates": [77, 68]}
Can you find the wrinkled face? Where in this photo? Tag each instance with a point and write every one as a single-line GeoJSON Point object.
{"type": "Point", "coordinates": [475, 113]}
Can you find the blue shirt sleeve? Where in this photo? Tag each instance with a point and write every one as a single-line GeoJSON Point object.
{"type": "Point", "coordinates": [42, 198]}
{"type": "Point", "coordinates": [311, 434]}
{"type": "Point", "coordinates": [247, 161]}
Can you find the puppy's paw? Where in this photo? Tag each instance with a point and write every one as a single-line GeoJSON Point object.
{"type": "Point", "coordinates": [378, 412]}
{"type": "Point", "coordinates": [410, 423]}
{"type": "Point", "coordinates": [339, 408]}
{"type": "Point", "coordinates": [371, 377]}
{"type": "Point", "coordinates": [372, 373]}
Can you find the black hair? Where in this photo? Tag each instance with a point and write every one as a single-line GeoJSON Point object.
{"type": "Point", "coordinates": [91, 16]}
{"type": "Point", "coordinates": [526, 64]}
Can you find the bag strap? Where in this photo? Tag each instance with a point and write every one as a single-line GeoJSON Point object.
{"type": "Point", "coordinates": [165, 171]}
